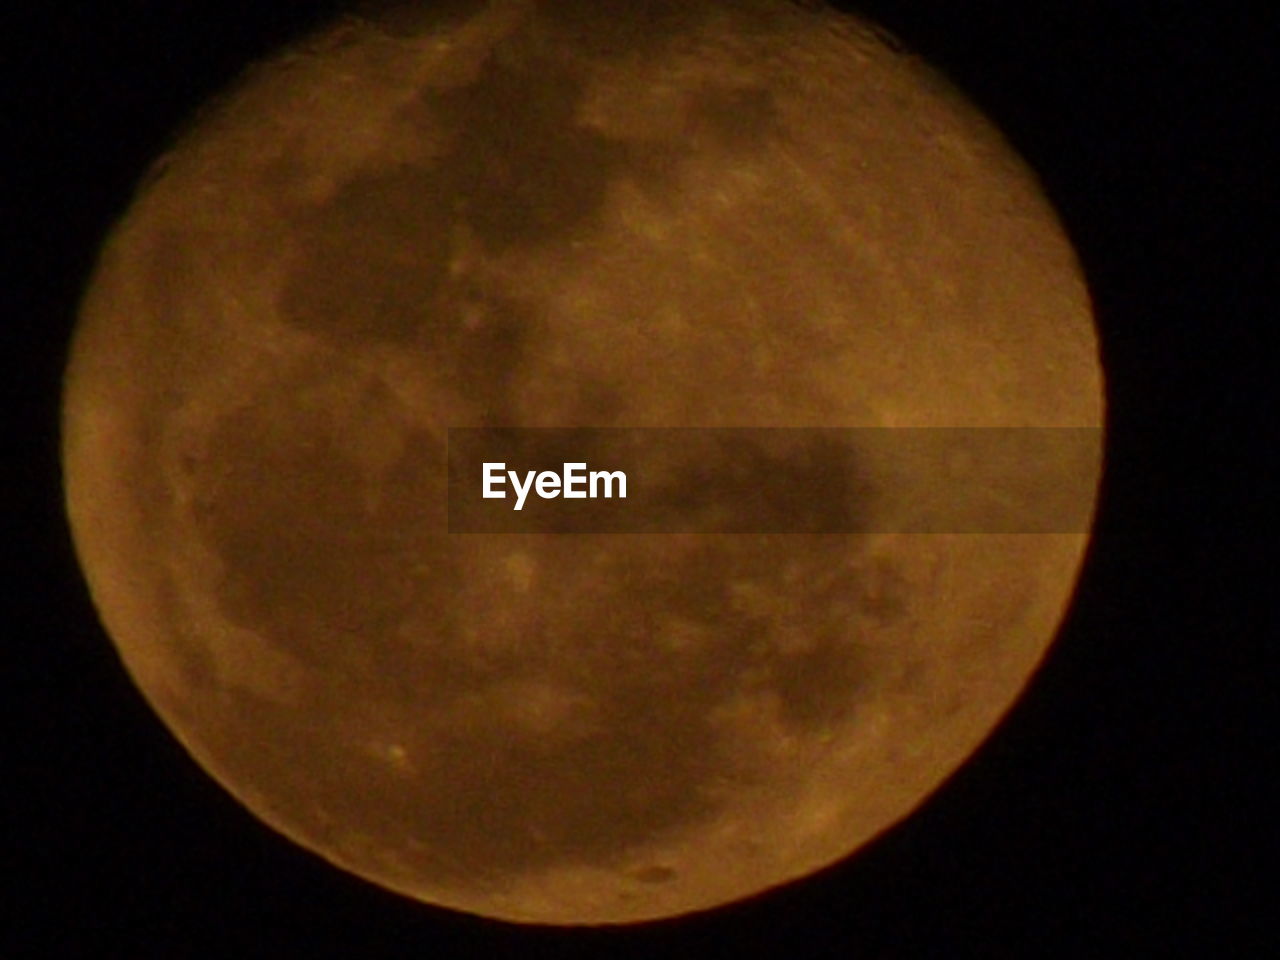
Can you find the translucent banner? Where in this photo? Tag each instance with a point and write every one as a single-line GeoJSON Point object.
{"type": "Point", "coordinates": [773, 480]}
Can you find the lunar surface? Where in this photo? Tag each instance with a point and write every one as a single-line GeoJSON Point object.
{"type": "Point", "coordinates": [566, 214]}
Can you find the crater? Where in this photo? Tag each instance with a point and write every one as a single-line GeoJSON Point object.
{"type": "Point", "coordinates": [654, 874]}
{"type": "Point", "coordinates": [521, 171]}
{"type": "Point", "coordinates": [737, 118]}
{"type": "Point", "coordinates": [374, 258]}
{"type": "Point", "coordinates": [802, 481]}
{"type": "Point", "coordinates": [319, 534]}
{"type": "Point", "coordinates": [614, 30]}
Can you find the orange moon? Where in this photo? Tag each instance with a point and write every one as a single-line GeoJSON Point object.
{"type": "Point", "coordinates": [567, 214]}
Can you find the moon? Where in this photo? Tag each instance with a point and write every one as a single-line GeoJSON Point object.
{"type": "Point", "coordinates": [568, 214]}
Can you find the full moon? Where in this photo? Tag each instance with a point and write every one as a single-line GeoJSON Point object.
{"type": "Point", "coordinates": [583, 214]}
